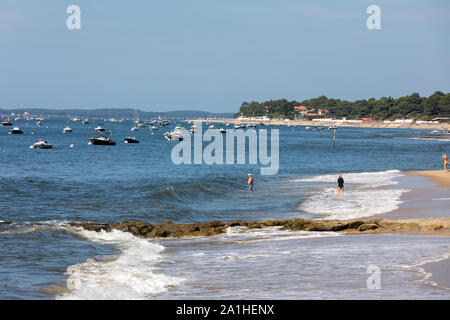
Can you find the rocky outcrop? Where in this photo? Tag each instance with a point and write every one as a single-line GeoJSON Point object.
{"type": "Point", "coordinates": [170, 229]}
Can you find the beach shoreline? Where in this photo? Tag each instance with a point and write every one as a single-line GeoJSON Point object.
{"type": "Point", "coordinates": [439, 177]}
{"type": "Point", "coordinates": [371, 124]}
{"type": "Point", "coordinates": [415, 217]}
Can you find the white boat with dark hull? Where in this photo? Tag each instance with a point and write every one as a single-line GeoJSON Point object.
{"type": "Point", "coordinates": [99, 129]}
{"type": "Point", "coordinates": [15, 130]}
{"type": "Point", "coordinates": [41, 144]}
{"type": "Point", "coordinates": [102, 141]}
{"type": "Point", "coordinates": [130, 140]}
{"type": "Point", "coordinates": [67, 129]}
{"type": "Point", "coordinates": [175, 135]}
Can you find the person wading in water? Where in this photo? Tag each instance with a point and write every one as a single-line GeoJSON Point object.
{"type": "Point", "coordinates": [340, 182]}
{"type": "Point", "coordinates": [250, 182]}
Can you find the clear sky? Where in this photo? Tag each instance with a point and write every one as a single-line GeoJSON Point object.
{"type": "Point", "coordinates": [212, 55]}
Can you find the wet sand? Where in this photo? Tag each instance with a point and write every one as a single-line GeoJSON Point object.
{"type": "Point", "coordinates": [440, 273]}
{"type": "Point", "coordinates": [429, 197]}
{"type": "Point", "coordinates": [440, 177]}
{"type": "Point", "coordinates": [426, 199]}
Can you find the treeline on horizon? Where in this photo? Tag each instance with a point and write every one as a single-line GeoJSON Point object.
{"type": "Point", "coordinates": [407, 107]}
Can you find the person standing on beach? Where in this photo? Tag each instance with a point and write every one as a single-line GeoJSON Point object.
{"type": "Point", "coordinates": [340, 182]}
{"type": "Point", "coordinates": [250, 182]}
{"type": "Point", "coordinates": [444, 156]}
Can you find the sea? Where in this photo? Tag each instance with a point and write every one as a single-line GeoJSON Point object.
{"type": "Point", "coordinates": [41, 191]}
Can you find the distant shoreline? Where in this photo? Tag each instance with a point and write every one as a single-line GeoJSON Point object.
{"type": "Point", "coordinates": [372, 124]}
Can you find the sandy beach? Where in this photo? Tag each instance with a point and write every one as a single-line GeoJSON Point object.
{"type": "Point", "coordinates": [429, 198]}
{"type": "Point", "coordinates": [372, 124]}
{"type": "Point", "coordinates": [440, 177]}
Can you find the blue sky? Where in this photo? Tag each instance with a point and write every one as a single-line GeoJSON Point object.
{"type": "Point", "coordinates": [212, 55]}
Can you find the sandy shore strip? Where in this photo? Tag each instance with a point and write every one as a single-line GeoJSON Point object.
{"type": "Point", "coordinates": [440, 177]}
{"type": "Point", "coordinates": [425, 199]}
{"type": "Point", "coordinates": [372, 124]}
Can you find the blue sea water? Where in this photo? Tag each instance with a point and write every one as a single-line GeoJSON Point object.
{"type": "Point", "coordinates": [40, 190]}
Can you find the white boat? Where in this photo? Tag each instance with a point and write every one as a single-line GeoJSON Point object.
{"type": "Point", "coordinates": [130, 140]}
{"type": "Point", "coordinates": [41, 144]}
{"type": "Point", "coordinates": [15, 130]}
{"type": "Point", "coordinates": [99, 129]}
{"type": "Point", "coordinates": [222, 130]}
{"type": "Point", "coordinates": [67, 129]}
{"type": "Point", "coordinates": [134, 129]}
{"type": "Point", "coordinates": [174, 135]}
{"type": "Point", "coordinates": [211, 127]}
{"type": "Point", "coordinates": [154, 128]}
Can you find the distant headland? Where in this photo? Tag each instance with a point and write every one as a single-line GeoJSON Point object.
{"type": "Point", "coordinates": [125, 113]}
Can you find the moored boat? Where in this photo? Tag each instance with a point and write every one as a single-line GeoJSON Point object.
{"type": "Point", "coordinates": [130, 140]}
{"type": "Point", "coordinates": [175, 135]}
{"type": "Point", "coordinates": [15, 130]}
{"type": "Point", "coordinates": [103, 141]}
{"type": "Point", "coordinates": [41, 144]}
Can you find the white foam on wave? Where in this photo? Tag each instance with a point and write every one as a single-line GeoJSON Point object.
{"type": "Point", "coordinates": [128, 275]}
{"type": "Point", "coordinates": [365, 197]}
{"type": "Point", "coordinates": [244, 234]}
{"type": "Point", "coordinates": [375, 179]}
{"type": "Point", "coordinates": [418, 267]}
{"type": "Point", "coordinates": [28, 227]}
{"type": "Point", "coordinates": [355, 203]}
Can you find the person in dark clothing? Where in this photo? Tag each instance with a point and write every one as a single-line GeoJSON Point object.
{"type": "Point", "coordinates": [340, 182]}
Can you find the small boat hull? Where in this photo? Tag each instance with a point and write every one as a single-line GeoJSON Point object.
{"type": "Point", "coordinates": [130, 140]}
{"type": "Point", "coordinates": [102, 142]}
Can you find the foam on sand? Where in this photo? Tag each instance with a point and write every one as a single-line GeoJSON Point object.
{"type": "Point", "coordinates": [129, 275]}
{"type": "Point", "coordinates": [365, 195]}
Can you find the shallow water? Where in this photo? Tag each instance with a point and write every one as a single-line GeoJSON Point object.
{"type": "Point", "coordinates": [42, 189]}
